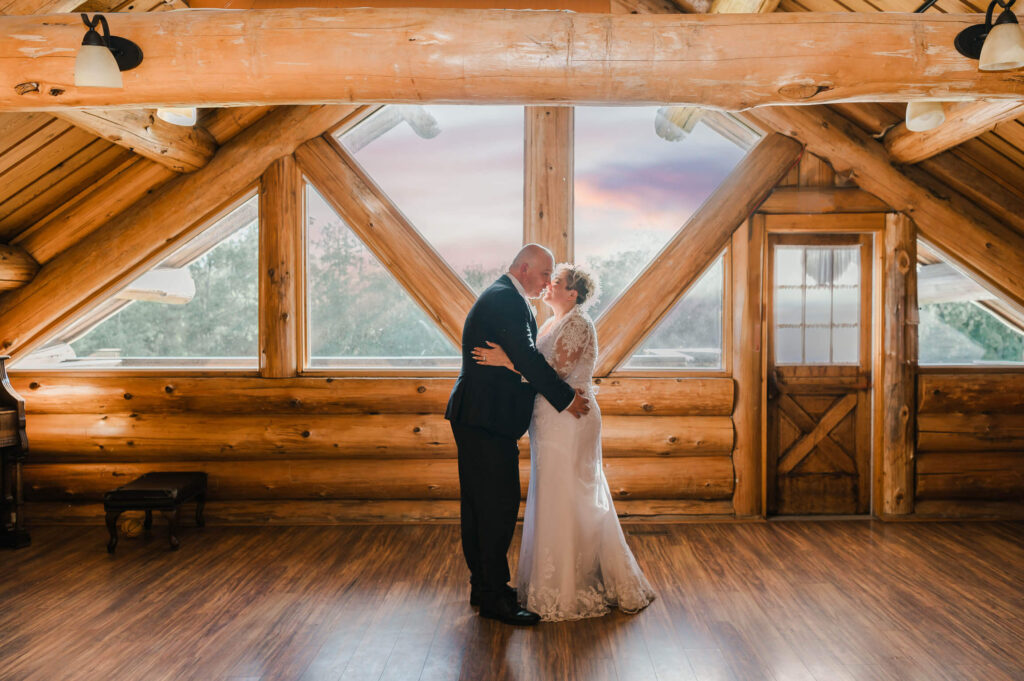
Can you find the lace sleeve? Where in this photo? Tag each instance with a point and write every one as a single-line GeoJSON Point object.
{"type": "Point", "coordinates": [573, 340]}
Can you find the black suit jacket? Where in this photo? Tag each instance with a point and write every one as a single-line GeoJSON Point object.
{"type": "Point", "coordinates": [495, 398]}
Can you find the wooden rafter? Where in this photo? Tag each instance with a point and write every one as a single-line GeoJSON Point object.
{"type": "Point", "coordinates": [963, 122]}
{"type": "Point", "coordinates": [992, 252]}
{"type": "Point", "coordinates": [24, 7]}
{"type": "Point", "coordinates": [480, 56]}
{"type": "Point", "coordinates": [655, 290]}
{"type": "Point", "coordinates": [139, 237]}
{"type": "Point", "coordinates": [182, 149]}
{"type": "Point", "coordinates": [368, 212]}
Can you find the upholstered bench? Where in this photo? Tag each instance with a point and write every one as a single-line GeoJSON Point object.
{"type": "Point", "coordinates": [164, 492]}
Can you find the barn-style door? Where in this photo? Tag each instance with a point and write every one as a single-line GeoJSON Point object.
{"type": "Point", "coordinates": [819, 374]}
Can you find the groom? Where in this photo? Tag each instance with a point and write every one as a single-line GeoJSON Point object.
{"type": "Point", "coordinates": [490, 409]}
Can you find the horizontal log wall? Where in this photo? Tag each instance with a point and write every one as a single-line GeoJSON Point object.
{"type": "Point", "coordinates": [970, 443]}
{"type": "Point", "coordinates": [320, 450]}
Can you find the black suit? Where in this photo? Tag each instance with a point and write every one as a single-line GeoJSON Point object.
{"type": "Point", "coordinates": [490, 409]}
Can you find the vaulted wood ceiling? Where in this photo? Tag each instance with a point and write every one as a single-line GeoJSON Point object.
{"type": "Point", "coordinates": [60, 181]}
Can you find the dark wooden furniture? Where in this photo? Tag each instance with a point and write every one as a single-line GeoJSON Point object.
{"type": "Point", "coordinates": [164, 492]}
{"type": "Point", "coordinates": [13, 449]}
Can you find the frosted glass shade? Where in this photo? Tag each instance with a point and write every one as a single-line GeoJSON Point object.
{"type": "Point", "coordinates": [95, 66]}
{"type": "Point", "coordinates": [1003, 49]}
{"type": "Point", "coordinates": [178, 116]}
{"type": "Point", "coordinates": [923, 116]}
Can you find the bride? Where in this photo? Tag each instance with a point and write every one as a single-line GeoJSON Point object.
{"type": "Point", "coordinates": [574, 561]}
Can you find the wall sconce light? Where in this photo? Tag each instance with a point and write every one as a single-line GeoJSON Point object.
{"type": "Point", "coordinates": [923, 116]}
{"type": "Point", "coordinates": [102, 58]}
{"type": "Point", "coordinates": [998, 47]}
{"type": "Point", "coordinates": [185, 116]}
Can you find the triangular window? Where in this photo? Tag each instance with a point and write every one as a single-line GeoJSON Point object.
{"type": "Point", "coordinates": [640, 173]}
{"type": "Point", "coordinates": [198, 308]}
{"type": "Point", "coordinates": [690, 335]}
{"type": "Point", "coordinates": [359, 316]}
{"type": "Point", "coordinates": [456, 172]}
{"type": "Point", "coordinates": [961, 322]}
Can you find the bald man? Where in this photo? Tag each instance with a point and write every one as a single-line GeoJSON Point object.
{"type": "Point", "coordinates": [489, 409]}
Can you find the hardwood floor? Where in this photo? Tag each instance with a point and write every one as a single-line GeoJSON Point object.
{"type": "Point", "coordinates": [780, 601]}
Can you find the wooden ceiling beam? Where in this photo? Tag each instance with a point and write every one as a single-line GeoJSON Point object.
{"type": "Point", "coordinates": [16, 267]}
{"type": "Point", "coordinates": [182, 149]}
{"type": "Point", "coordinates": [726, 61]}
{"type": "Point", "coordinates": [680, 263]}
{"type": "Point", "coordinates": [382, 227]}
{"type": "Point", "coordinates": [139, 237]}
{"type": "Point", "coordinates": [992, 252]}
{"type": "Point", "coordinates": [25, 7]}
{"type": "Point", "coordinates": [964, 121]}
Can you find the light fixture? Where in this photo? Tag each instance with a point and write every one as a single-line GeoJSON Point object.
{"type": "Point", "coordinates": [101, 59]}
{"type": "Point", "coordinates": [923, 116]}
{"type": "Point", "coordinates": [185, 116]}
{"type": "Point", "coordinates": [997, 47]}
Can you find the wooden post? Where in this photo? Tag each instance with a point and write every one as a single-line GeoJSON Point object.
{"type": "Point", "coordinates": [747, 245]}
{"type": "Point", "coordinates": [900, 365]}
{"type": "Point", "coordinates": [281, 213]}
{"type": "Point", "coordinates": [547, 191]}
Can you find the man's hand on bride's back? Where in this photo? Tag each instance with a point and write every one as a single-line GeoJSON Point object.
{"type": "Point", "coordinates": [580, 405]}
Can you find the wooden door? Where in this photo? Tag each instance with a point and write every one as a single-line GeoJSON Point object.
{"type": "Point", "coordinates": [819, 374]}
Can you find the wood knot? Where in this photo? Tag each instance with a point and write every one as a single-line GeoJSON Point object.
{"type": "Point", "coordinates": [305, 433]}
{"type": "Point", "coordinates": [56, 91]}
{"type": "Point", "coordinates": [296, 402]}
{"type": "Point", "coordinates": [647, 407]}
{"type": "Point", "coordinates": [168, 389]}
{"type": "Point", "coordinates": [33, 386]}
{"type": "Point", "coordinates": [673, 440]}
{"type": "Point", "coordinates": [421, 389]}
{"type": "Point", "coordinates": [128, 396]}
{"type": "Point", "coordinates": [416, 429]}
{"type": "Point", "coordinates": [803, 91]}
{"type": "Point", "coordinates": [26, 88]}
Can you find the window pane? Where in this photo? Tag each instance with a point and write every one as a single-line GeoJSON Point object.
{"type": "Point", "coordinates": [457, 173]}
{"type": "Point", "coordinates": [814, 307]}
{"type": "Point", "coordinates": [960, 321]}
{"type": "Point", "coordinates": [690, 336]}
{"type": "Point", "coordinates": [789, 345]}
{"type": "Point", "coordinates": [359, 316]}
{"type": "Point", "coordinates": [816, 345]}
{"type": "Point", "coordinates": [197, 308]}
{"type": "Point", "coordinates": [845, 342]}
{"type": "Point", "coordinates": [633, 189]}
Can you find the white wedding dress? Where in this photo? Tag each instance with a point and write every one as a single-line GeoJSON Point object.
{"type": "Point", "coordinates": [574, 561]}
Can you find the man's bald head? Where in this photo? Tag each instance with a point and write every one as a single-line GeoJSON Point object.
{"type": "Point", "coordinates": [532, 266]}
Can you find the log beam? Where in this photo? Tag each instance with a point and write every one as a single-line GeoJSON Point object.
{"type": "Point", "coordinates": [899, 404]}
{"type": "Point", "coordinates": [282, 199]}
{"type": "Point", "coordinates": [382, 227]}
{"type": "Point", "coordinates": [991, 251]}
{"type": "Point", "coordinates": [25, 7]}
{"type": "Point", "coordinates": [17, 267]}
{"type": "Point", "coordinates": [747, 258]}
{"type": "Point", "coordinates": [288, 56]}
{"type": "Point", "coordinates": [140, 236]}
{"type": "Point", "coordinates": [180, 148]}
{"type": "Point", "coordinates": [963, 122]}
{"type": "Point", "coordinates": [639, 309]}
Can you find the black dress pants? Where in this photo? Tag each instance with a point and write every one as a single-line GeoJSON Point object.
{"type": "Point", "coordinates": [490, 496]}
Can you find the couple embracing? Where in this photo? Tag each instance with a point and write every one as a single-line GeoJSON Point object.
{"type": "Point", "coordinates": [574, 561]}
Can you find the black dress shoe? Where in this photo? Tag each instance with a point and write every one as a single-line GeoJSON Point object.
{"type": "Point", "coordinates": [474, 596]}
{"type": "Point", "coordinates": [509, 612]}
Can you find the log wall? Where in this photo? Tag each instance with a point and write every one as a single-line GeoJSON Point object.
{"type": "Point", "coordinates": [970, 443]}
{"type": "Point", "coordinates": [317, 449]}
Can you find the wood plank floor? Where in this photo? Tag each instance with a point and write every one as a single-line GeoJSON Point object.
{"type": "Point", "coordinates": [780, 601]}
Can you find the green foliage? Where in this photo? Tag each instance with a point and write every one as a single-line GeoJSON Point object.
{"type": "Point", "coordinates": [966, 333]}
{"type": "Point", "coordinates": [220, 321]}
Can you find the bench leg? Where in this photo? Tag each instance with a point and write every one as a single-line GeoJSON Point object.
{"type": "Point", "coordinates": [200, 504]}
{"type": "Point", "coordinates": [112, 516]}
{"type": "Point", "coordinates": [172, 526]}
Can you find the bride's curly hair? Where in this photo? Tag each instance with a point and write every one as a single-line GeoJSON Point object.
{"type": "Point", "coordinates": [586, 285]}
